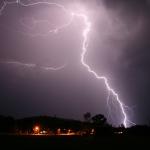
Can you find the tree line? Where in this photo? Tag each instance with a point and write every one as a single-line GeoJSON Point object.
{"type": "Point", "coordinates": [98, 123]}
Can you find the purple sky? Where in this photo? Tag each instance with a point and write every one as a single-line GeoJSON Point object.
{"type": "Point", "coordinates": [118, 48]}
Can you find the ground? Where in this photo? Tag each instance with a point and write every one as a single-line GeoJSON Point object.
{"type": "Point", "coordinates": [73, 142]}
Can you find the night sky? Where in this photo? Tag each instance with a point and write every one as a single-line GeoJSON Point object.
{"type": "Point", "coordinates": [119, 48]}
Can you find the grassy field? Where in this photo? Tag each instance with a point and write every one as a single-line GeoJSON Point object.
{"type": "Point", "coordinates": [73, 142]}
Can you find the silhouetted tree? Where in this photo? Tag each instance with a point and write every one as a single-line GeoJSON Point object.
{"type": "Point", "coordinates": [99, 120]}
{"type": "Point", "coordinates": [7, 124]}
{"type": "Point", "coordinates": [138, 130]}
{"type": "Point", "coordinates": [87, 116]}
{"type": "Point", "coordinates": [102, 128]}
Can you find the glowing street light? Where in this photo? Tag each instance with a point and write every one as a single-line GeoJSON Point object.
{"type": "Point", "coordinates": [36, 130]}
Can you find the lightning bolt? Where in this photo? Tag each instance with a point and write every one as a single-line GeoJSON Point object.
{"type": "Point", "coordinates": [85, 34]}
{"type": "Point", "coordinates": [29, 65]}
{"type": "Point", "coordinates": [53, 68]}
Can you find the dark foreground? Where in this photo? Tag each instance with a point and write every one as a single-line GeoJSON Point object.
{"type": "Point", "coordinates": [73, 142]}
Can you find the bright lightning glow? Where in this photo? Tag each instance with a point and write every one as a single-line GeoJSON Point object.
{"type": "Point", "coordinates": [85, 34]}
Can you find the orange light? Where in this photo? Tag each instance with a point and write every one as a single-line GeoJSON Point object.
{"type": "Point", "coordinates": [58, 131]}
{"type": "Point", "coordinates": [36, 129]}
